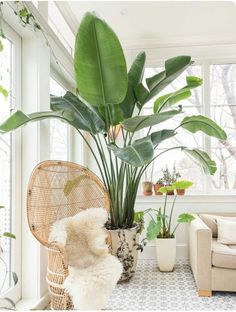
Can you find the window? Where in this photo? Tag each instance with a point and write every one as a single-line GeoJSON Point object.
{"type": "Point", "coordinates": [10, 190]}
{"type": "Point", "coordinates": [191, 106]}
{"type": "Point", "coordinates": [59, 130]}
{"type": "Point", "coordinates": [220, 104]}
{"type": "Point", "coordinates": [223, 110]}
{"type": "Point", "coordinates": [60, 27]}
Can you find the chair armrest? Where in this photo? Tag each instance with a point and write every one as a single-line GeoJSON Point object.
{"type": "Point", "coordinates": [200, 240]}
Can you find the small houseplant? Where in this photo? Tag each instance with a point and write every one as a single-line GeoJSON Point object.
{"type": "Point", "coordinates": [160, 228]}
{"type": "Point", "coordinates": [108, 96]}
{"type": "Point", "coordinates": [170, 177]}
{"type": "Point", "coordinates": [159, 183]}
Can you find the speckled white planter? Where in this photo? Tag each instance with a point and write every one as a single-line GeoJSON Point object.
{"type": "Point", "coordinates": [166, 253]}
{"type": "Point", "coordinates": [124, 246]}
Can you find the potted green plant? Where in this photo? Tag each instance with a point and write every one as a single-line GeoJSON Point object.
{"type": "Point", "coordinates": [107, 96]}
{"type": "Point", "coordinates": [147, 188]}
{"type": "Point", "coordinates": [159, 183]}
{"type": "Point", "coordinates": [181, 186]}
{"type": "Point", "coordinates": [160, 229]}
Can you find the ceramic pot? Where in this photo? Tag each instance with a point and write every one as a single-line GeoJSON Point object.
{"type": "Point", "coordinates": [166, 253]}
{"type": "Point", "coordinates": [156, 187]}
{"type": "Point", "coordinates": [124, 244]}
{"type": "Point", "coordinates": [147, 188]}
{"type": "Point", "coordinates": [180, 192]}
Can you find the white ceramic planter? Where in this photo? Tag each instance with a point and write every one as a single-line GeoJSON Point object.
{"type": "Point", "coordinates": [124, 245]}
{"type": "Point", "coordinates": [166, 253]}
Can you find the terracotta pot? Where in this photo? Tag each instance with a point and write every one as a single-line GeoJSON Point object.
{"type": "Point", "coordinates": [166, 253]}
{"type": "Point", "coordinates": [147, 188]}
{"type": "Point", "coordinates": [156, 187]}
{"type": "Point", "coordinates": [124, 245]}
{"type": "Point", "coordinates": [180, 191]}
{"type": "Point", "coordinates": [170, 192]}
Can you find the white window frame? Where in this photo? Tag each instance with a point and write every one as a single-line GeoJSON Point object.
{"type": "Point", "coordinates": [56, 77]}
{"type": "Point", "coordinates": [205, 60]}
{"type": "Point", "coordinates": [14, 292]}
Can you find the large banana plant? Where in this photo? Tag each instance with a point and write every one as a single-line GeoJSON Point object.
{"type": "Point", "coordinates": [109, 98]}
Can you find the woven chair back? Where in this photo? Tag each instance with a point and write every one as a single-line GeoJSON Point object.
{"type": "Point", "coordinates": [60, 189]}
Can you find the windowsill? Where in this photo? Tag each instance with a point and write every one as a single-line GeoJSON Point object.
{"type": "Point", "coordinates": [191, 198]}
{"type": "Point", "coordinates": [33, 304]}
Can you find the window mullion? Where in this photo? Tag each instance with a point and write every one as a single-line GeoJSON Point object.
{"type": "Point", "coordinates": [206, 112]}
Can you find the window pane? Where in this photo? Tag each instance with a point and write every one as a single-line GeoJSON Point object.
{"type": "Point", "coordinates": [60, 27]}
{"type": "Point", "coordinates": [188, 168]}
{"type": "Point", "coordinates": [5, 165]}
{"type": "Point", "coordinates": [59, 131]}
{"type": "Point", "coordinates": [223, 111]}
{"type": "Point", "coordinates": [178, 83]}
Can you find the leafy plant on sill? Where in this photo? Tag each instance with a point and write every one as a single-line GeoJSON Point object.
{"type": "Point", "coordinates": [160, 225]}
{"type": "Point", "coordinates": [109, 98]}
{"type": "Point", "coordinates": [6, 303]}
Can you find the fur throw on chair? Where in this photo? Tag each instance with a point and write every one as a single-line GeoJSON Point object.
{"type": "Point", "coordinates": [93, 272]}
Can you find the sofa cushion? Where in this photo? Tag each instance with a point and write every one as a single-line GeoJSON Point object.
{"type": "Point", "coordinates": [211, 221]}
{"type": "Point", "coordinates": [223, 256]}
{"type": "Point", "coordinates": [226, 231]}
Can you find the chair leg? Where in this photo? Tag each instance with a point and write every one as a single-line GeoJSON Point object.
{"type": "Point", "coordinates": [204, 293]}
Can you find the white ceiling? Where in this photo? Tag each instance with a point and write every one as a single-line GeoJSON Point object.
{"type": "Point", "coordinates": [164, 22]}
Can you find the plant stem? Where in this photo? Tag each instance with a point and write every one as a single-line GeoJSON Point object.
{"type": "Point", "coordinates": [172, 208]}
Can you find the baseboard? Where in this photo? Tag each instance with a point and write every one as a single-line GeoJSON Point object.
{"type": "Point", "coordinates": [149, 252]}
{"type": "Point", "coordinates": [33, 304]}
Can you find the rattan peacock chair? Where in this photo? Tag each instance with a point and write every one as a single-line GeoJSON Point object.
{"type": "Point", "coordinates": [56, 190]}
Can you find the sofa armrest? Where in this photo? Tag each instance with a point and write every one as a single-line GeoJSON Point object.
{"type": "Point", "coordinates": [200, 239]}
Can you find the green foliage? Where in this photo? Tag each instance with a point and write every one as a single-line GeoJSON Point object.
{"type": "Point", "coordinates": [160, 226]}
{"type": "Point", "coordinates": [71, 184]}
{"type": "Point", "coordinates": [8, 235]}
{"type": "Point", "coordinates": [100, 65]}
{"type": "Point", "coordinates": [182, 185]}
{"type": "Point", "coordinates": [3, 91]}
{"type": "Point", "coordinates": [204, 124]}
{"type": "Point", "coordinates": [109, 96]}
{"type": "Point", "coordinates": [185, 218]}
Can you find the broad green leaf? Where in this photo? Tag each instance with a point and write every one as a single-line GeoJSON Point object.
{"type": "Point", "coordinates": [112, 117]}
{"type": "Point", "coordinates": [19, 119]}
{"type": "Point", "coordinates": [167, 100]}
{"type": "Point", "coordinates": [100, 66]}
{"type": "Point", "coordinates": [1, 45]}
{"type": "Point", "coordinates": [8, 235]}
{"type": "Point", "coordinates": [139, 122]}
{"type": "Point", "coordinates": [3, 91]}
{"type": "Point", "coordinates": [208, 165]}
{"type": "Point", "coordinates": [158, 136]}
{"type": "Point", "coordinates": [141, 94]}
{"type": "Point", "coordinates": [201, 123]}
{"type": "Point", "coordinates": [137, 154]}
{"type": "Point", "coordinates": [136, 71]}
{"type": "Point", "coordinates": [71, 184]}
{"type": "Point", "coordinates": [182, 184]}
{"type": "Point", "coordinates": [84, 117]}
{"type": "Point", "coordinates": [135, 76]}
{"type": "Point", "coordinates": [173, 68]}
{"type": "Point", "coordinates": [185, 218]}
{"type": "Point", "coordinates": [153, 230]}
{"type": "Point", "coordinates": [172, 98]}
{"type": "Point", "coordinates": [166, 189]}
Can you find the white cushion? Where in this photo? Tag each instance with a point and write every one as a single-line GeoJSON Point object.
{"type": "Point", "coordinates": [226, 231]}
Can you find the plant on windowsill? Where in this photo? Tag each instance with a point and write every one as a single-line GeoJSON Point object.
{"type": "Point", "coordinates": [170, 177]}
{"type": "Point", "coordinates": [160, 228]}
{"type": "Point", "coordinates": [108, 97]}
{"type": "Point", "coordinates": [6, 303]}
{"type": "Point", "coordinates": [159, 183]}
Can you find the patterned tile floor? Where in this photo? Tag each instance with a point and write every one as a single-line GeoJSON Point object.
{"type": "Point", "coordinates": [150, 289]}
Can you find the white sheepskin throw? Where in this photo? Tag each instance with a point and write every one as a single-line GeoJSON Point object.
{"type": "Point", "coordinates": [93, 272]}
